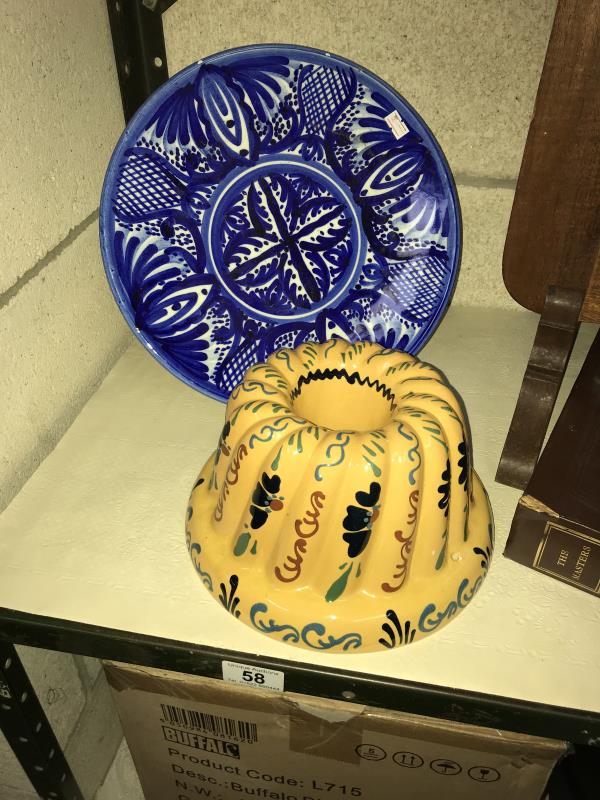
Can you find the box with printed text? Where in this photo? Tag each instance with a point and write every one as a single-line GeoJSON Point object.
{"type": "Point", "coordinates": [202, 738]}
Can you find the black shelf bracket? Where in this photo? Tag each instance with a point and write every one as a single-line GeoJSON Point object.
{"type": "Point", "coordinates": [28, 732]}
{"type": "Point", "coordinates": [139, 44]}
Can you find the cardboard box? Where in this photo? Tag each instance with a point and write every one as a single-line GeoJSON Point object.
{"type": "Point", "coordinates": [197, 737]}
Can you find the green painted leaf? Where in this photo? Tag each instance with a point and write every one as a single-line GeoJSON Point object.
{"type": "Point", "coordinates": [440, 560]}
{"type": "Point", "coordinates": [275, 462]}
{"type": "Point", "coordinates": [241, 544]}
{"type": "Point", "coordinates": [338, 586]}
{"type": "Point", "coordinates": [374, 467]}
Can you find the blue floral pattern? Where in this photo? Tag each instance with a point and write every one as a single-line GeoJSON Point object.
{"type": "Point", "coordinates": [284, 242]}
{"type": "Point", "coordinates": [264, 198]}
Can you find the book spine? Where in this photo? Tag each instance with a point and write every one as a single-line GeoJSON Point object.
{"type": "Point", "coordinates": [554, 545]}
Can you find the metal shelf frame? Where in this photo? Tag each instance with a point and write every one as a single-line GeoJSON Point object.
{"type": "Point", "coordinates": [472, 708]}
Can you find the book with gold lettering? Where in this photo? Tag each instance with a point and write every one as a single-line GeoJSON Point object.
{"type": "Point", "coordinates": [556, 527]}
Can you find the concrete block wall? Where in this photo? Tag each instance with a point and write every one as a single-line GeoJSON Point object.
{"type": "Point", "coordinates": [60, 331]}
{"type": "Point", "coordinates": [470, 68]}
{"type": "Point", "coordinates": [59, 328]}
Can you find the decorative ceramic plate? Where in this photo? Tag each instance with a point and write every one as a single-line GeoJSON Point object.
{"type": "Point", "coordinates": [271, 195]}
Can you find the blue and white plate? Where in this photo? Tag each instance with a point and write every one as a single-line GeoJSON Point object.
{"type": "Point", "coordinates": [271, 195]}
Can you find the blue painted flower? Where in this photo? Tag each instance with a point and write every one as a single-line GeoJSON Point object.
{"type": "Point", "coordinates": [290, 251]}
{"type": "Point", "coordinates": [359, 520]}
{"type": "Point", "coordinates": [177, 119]}
{"type": "Point", "coordinates": [264, 79]}
{"type": "Point", "coordinates": [225, 115]}
{"type": "Point", "coordinates": [376, 135]}
{"type": "Point", "coordinates": [265, 499]}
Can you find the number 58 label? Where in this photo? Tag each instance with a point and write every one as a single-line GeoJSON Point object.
{"type": "Point", "coordinates": [247, 675]}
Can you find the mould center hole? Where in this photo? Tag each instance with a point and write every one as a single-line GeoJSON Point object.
{"type": "Point", "coordinates": [342, 403]}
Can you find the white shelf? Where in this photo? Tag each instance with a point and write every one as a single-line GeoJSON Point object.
{"type": "Point", "coordinates": [97, 535]}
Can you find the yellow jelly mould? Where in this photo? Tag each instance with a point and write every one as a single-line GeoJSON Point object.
{"type": "Point", "coordinates": [340, 511]}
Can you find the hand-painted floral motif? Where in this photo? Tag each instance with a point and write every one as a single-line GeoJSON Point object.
{"type": "Point", "coordinates": [312, 635]}
{"type": "Point", "coordinates": [195, 551]}
{"type": "Point", "coordinates": [287, 511]}
{"type": "Point", "coordinates": [406, 543]}
{"type": "Point", "coordinates": [222, 446]}
{"type": "Point", "coordinates": [188, 516]}
{"type": "Point", "coordinates": [263, 199]}
{"type": "Point", "coordinates": [431, 618]}
{"type": "Point", "coordinates": [396, 632]}
{"type": "Point", "coordinates": [286, 243]}
{"type": "Point", "coordinates": [359, 520]}
{"type": "Point", "coordinates": [231, 478]}
{"type": "Point", "coordinates": [444, 489]}
{"type": "Point", "coordinates": [228, 598]}
{"type": "Point", "coordinates": [463, 465]}
{"type": "Point", "coordinates": [485, 556]}
{"type": "Point", "coordinates": [265, 500]}
{"type": "Point", "coordinates": [304, 528]}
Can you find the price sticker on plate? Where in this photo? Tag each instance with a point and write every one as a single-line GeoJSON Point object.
{"type": "Point", "coordinates": [247, 675]}
{"type": "Point", "coordinates": [397, 125]}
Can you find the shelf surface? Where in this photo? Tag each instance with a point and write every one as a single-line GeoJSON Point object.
{"type": "Point", "coordinates": [96, 536]}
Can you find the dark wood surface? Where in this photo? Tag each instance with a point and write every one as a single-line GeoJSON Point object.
{"type": "Point", "coordinates": [554, 231]}
{"type": "Point", "coordinates": [567, 476]}
{"type": "Point", "coordinates": [554, 340]}
{"type": "Point", "coordinates": [591, 304]}
{"type": "Point", "coordinates": [556, 528]}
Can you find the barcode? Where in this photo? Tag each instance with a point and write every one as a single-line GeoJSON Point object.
{"type": "Point", "coordinates": [219, 726]}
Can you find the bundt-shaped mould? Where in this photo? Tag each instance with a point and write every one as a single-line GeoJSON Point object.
{"type": "Point", "coordinates": [340, 511]}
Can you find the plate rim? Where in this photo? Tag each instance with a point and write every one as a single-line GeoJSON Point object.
{"type": "Point", "coordinates": [157, 97]}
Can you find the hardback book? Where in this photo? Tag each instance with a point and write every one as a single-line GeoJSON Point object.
{"type": "Point", "coordinates": [556, 527]}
